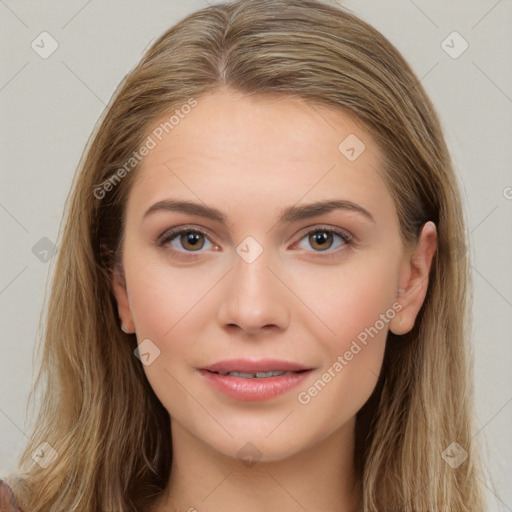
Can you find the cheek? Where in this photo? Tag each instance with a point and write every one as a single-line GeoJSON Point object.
{"type": "Point", "coordinates": [346, 301]}
{"type": "Point", "coordinates": [153, 307]}
{"type": "Point", "coordinates": [165, 306]}
{"type": "Point", "coordinates": [170, 307]}
{"type": "Point", "coordinates": [163, 298]}
{"type": "Point", "coordinates": [353, 353]}
{"type": "Point", "coordinates": [353, 308]}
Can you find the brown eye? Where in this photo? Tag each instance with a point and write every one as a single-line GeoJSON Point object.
{"type": "Point", "coordinates": [330, 241]}
{"type": "Point", "coordinates": [186, 241]}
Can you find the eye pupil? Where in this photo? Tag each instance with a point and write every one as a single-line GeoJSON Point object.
{"type": "Point", "coordinates": [320, 237]}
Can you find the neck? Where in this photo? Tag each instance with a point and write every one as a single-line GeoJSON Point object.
{"type": "Point", "coordinates": [320, 477]}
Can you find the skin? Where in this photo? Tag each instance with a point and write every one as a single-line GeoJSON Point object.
{"type": "Point", "coordinates": [250, 157]}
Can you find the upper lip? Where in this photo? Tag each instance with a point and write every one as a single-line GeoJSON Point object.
{"type": "Point", "coordinates": [255, 365]}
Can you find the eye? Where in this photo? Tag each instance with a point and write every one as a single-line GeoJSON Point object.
{"type": "Point", "coordinates": [321, 238]}
{"type": "Point", "coordinates": [185, 240]}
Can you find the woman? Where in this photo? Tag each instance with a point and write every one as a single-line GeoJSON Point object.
{"type": "Point", "coordinates": [313, 352]}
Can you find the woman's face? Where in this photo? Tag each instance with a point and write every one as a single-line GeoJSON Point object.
{"type": "Point", "coordinates": [266, 276]}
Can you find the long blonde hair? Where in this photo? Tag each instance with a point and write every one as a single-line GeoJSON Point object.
{"type": "Point", "coordinates": [98, 411]}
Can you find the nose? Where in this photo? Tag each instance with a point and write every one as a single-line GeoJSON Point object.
{"type": "Point", "coordinates": [254, 297]}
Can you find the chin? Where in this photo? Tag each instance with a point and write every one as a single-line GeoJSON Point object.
{"type": "Point", "coordinates": [256, 445]}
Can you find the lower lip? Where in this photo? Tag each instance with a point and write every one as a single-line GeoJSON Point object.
{"type": "Point", "coordinates": [247, 390]}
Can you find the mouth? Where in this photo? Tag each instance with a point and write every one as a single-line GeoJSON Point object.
{"type": "Point", "coordinates": [255, 368]}
{"type": "Point", "coordinates": [258, 375]}
{"type": "Point", "coordinates": [251, 380]}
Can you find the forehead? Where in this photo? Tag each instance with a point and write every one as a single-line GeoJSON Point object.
{"type": "Point", "coordinates": [255, 150]}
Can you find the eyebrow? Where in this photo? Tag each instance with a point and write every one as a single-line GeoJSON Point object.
{"type": "Point", "coordinates": [289, 214]}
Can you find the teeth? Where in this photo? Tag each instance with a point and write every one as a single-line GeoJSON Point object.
{"type": "Point", "coordinates": [258, 375]}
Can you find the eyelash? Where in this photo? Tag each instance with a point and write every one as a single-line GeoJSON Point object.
{"type": "Point", "coordinates": [170, 235]}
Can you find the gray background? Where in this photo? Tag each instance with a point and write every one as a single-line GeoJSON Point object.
{"type": "Point", "coordinates": [49, 107]}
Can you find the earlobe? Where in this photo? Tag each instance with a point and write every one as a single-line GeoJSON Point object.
{"type": "Point", "coordinates": [123, 306]}
{"type": "Point", "coordinates": [395, 325]}
{"type": "Point", "coordinates": [414, 278]}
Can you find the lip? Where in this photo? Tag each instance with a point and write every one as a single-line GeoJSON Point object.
{"type": "Point", "coordinates": [254, 389]}
{"type": "Point", "coordinates": [255, 365]}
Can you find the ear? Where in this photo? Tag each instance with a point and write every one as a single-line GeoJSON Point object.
{"type": "Point", "coordinates": [123, 305]}
{"type": "Point", "coordinates": [413, 282]}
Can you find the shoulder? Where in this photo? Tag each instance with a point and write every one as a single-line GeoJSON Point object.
{"type": "Point", "coordinates": [7, 500]}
